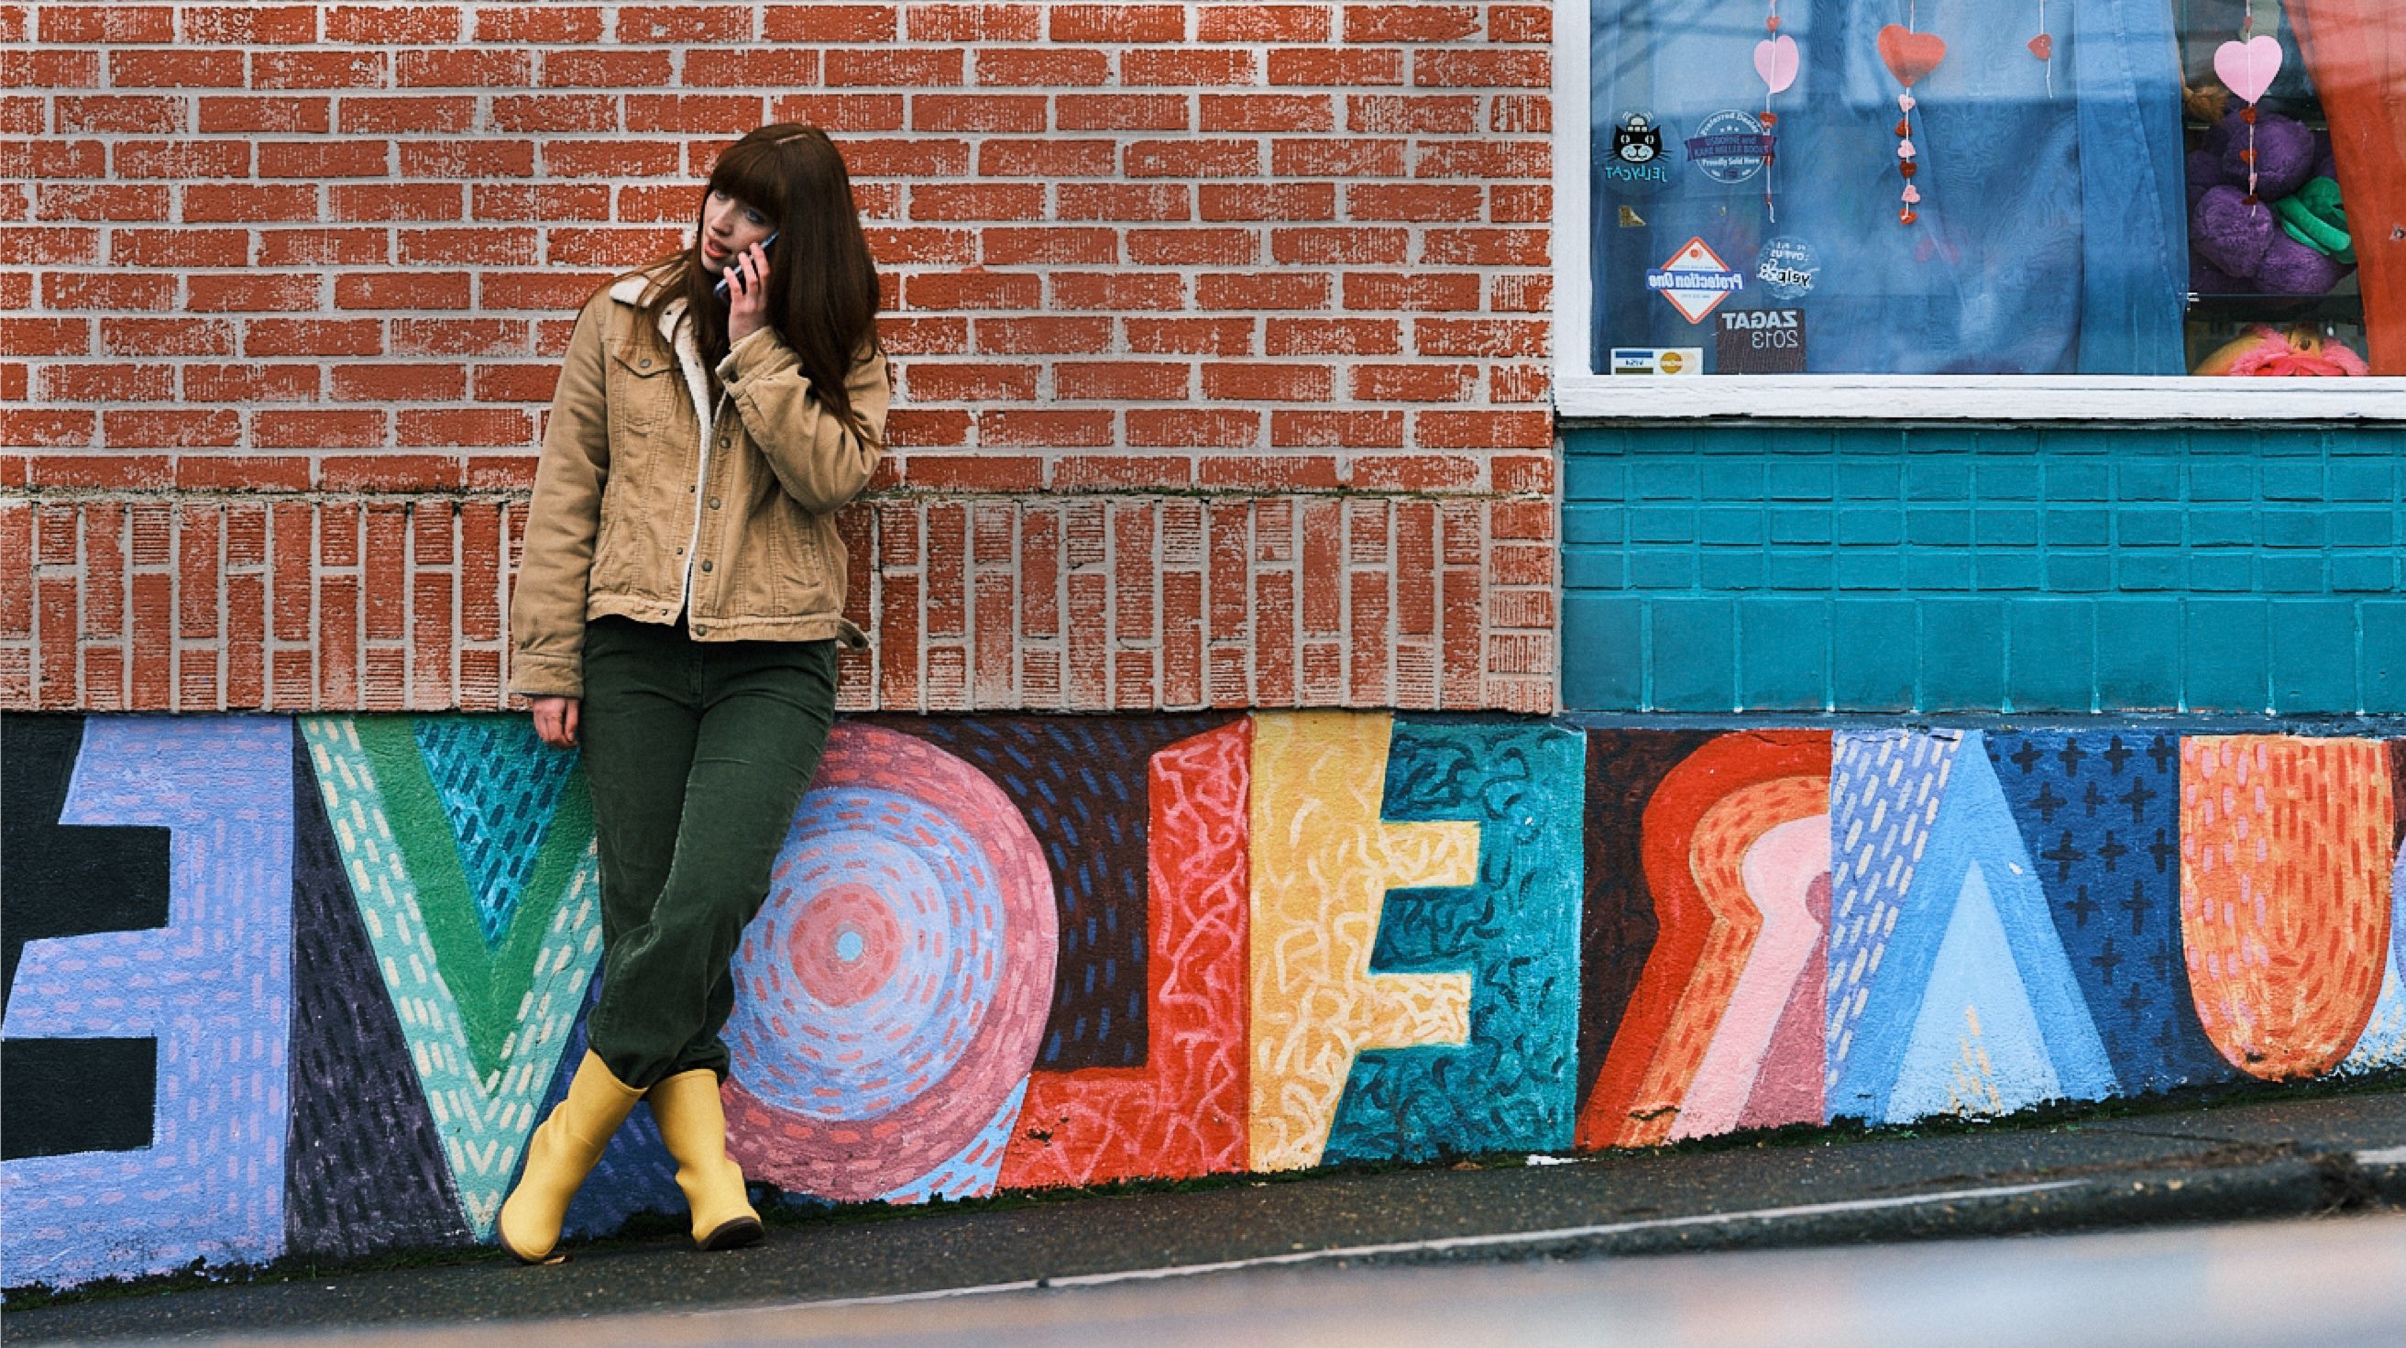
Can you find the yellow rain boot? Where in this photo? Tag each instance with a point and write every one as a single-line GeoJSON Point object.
{"type": "Point", "coordinates": [559, 1156]}
{"type": "Point", "coordinates": [694, 1125]}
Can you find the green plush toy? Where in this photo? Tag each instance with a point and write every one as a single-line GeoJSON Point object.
{"type": "Point", "coordinates": [2313, 216]}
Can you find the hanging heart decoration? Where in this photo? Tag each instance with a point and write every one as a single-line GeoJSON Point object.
{"type": "Point", "coordinates": [1775, 60]}
{"type": "Point", "coordinates": [1910, 56]}
{"type": "Point", "coordinates": [2043, 47]}
{"type": "Point", "coordinates": [2248, 68]}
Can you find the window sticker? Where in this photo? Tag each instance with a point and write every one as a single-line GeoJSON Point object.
{"type": "Point", "coordinates": [1787, 268]}
{"type": "Point", "coordinates": [1685, 360]}
{"type": "Point", "coordinates": [1636, 162]}
{"type": "Point", "coordinates": [1695, 280]}
{"type": "Point", "coordinates": [1730, 146]}
{"type": "Point", "coordinates": [1760, 341]}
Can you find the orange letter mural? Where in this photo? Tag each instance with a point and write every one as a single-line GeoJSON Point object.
{"type": "Point", "coordinates": [1700, 832]}
{"type": "Point", "coordinates": [2284, 894]}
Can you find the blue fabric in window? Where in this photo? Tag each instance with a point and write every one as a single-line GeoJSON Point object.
{"type": "Point", "coordinates": [2051, 235]}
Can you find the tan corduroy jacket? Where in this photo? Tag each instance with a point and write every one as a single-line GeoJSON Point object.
{"type": "Point", "coordinates": [645, 510]}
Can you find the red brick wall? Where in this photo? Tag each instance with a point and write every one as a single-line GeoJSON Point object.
{"type": "Point", "coordinates": [1219, 332]}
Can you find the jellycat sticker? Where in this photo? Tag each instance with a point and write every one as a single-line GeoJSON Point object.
{"type": "Point", "coordinates": [1787, 267]}
{"type": "Point", "coordinates": [1730, 146]}
{"type": "Point", "coordinates": [1636, 162]}
{"type": "Point", "coordinates": [1695, 280]}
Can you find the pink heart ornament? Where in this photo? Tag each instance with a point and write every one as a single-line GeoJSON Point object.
{"type": "Point", "coordinates": [1775, 61]}
{"type": "Point", "coordinates": [1904, 149]}
{"type": "Point", "coordinates": [1904, 102]}
{"type": "Point", "coordinates": [2247, 68]}
{"type": "Point", "coordinates": [1912, 194]}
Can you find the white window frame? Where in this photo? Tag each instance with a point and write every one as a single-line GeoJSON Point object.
{"type": "Point", "coordinates": [1582, 393]}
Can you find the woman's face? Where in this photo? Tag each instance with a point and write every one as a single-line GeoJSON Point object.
{"type": "Point", "coordinates": [729, 227]}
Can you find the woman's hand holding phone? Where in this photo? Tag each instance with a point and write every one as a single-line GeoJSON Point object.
{"type": "Point", "coordinates": [745, 282]}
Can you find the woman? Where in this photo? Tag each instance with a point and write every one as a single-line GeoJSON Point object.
{"type": "Point", "coordinates": [677, 615]}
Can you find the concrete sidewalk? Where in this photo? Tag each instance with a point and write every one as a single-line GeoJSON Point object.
{"type": "Point", "coordinates": [2288, 1157]}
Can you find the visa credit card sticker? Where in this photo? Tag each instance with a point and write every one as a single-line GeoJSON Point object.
{"type": "Point", "coordinates": [1658, 360]}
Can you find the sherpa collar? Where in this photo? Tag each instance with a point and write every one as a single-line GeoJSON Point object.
{"type": "Point", "coordinates": [628, 290]}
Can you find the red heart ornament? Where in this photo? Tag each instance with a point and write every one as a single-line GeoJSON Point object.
{"type": "Point", "coordinates": [1909, 55]}
{"type": "Point", "coordinates": [2042, 46]}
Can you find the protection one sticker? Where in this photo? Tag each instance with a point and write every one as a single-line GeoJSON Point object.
{"type": "Point", "coordinates": [1695, 280]}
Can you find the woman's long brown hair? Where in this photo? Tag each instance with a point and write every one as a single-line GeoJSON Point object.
{"type": "Point", "coordinates": [822, 282]}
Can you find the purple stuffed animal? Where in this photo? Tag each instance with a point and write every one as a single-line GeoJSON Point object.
{"type": "Point", "coordinates": [2237, 247]}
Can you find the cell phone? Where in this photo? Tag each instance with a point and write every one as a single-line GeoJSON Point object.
{"type": "Point", "coordinates": [726, 277]}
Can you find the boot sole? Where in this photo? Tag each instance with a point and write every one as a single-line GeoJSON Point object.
{"type": "Point", "coordinates": [554, 1256]}
{"type": "Point", "coordinates": [735, 1234]}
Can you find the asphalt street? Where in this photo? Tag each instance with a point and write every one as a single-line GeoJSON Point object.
{"type": "Point", "coordinates": [2332, 1282]}
{"type": "Point", "coordinates": [2285, 1158]}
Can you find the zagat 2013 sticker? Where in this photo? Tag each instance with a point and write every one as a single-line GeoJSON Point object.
{"type": "Point", "coordinates": [1729, 146]}
{"type": "Point", "coordinates": [1761, 341]}
{"type": "Point", "coordinates": [1787, 267]}
{"type": "Point", "coordinates": [1636, 160]}
{"type": "Point", "coordinates": [1695, 280]}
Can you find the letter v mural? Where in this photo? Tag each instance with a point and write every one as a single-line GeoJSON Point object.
{"type": "Point", "coordinates": [469, 850]}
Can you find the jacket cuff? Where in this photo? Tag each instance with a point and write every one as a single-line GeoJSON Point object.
{"type": "Point", "coordinates": [758, 353]}
{"type": "Point", "coordinates": [547, 676]}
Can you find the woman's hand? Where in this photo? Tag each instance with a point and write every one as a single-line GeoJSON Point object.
{"type": "Point", "coordinates": [747, 293]}
{"type": "Point", "coordinates": [555, 721]}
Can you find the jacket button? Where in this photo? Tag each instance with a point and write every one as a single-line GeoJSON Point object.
{"type": "Point", "coordinates": [680, 552]}
{"type": "Point", "coordinates": [705, 564]}
{"type": "Point", "coordinates": [722, 442]}
{"type": "Point", "coordinates": [714, 503]}
{"type": "Point", "coordinates": [645, 363]}
{"type": "Point", "coordinates": [700, 631]}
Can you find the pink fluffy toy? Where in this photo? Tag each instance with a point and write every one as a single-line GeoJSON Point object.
{"type": "Point", "coordinates": [2263, 350]}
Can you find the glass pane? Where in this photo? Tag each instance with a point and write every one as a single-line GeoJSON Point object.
{"type": "Point", "coordinates": [1968, 187]}
{"type": "Point", "coordinates": [2272, 267]}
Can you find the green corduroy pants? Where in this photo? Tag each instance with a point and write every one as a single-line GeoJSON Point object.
{"type": "Point", "coordinates": [697, 755]}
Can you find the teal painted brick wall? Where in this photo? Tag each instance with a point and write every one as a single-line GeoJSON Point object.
{"type": "Point", "coordinates": [1987, 569]}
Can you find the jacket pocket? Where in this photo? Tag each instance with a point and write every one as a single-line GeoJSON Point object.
{"type": "Point", "coordinates": [641, 388]}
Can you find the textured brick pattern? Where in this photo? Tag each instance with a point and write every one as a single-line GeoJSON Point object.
{"type": "Point", "coordinates": [2007, 570]}
{"type": "Point", "coordinates": [1137, 233]}
{"type": "Point", "coordinates": [194, 602]}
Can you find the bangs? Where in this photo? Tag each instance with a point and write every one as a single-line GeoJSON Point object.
{"type": "Point", "coordinates": [749, 172]}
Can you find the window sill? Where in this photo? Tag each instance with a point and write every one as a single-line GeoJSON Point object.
{"type": "Point", "coordinates": [2007, 398]}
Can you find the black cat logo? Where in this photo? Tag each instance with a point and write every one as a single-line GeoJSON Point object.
{"type": "Point", "coordinates": [1636, 140]}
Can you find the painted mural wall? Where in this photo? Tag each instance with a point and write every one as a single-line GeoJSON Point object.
{"type": "Point", "coordinates": [280, 986]}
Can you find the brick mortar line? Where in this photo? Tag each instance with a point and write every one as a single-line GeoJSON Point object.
{"type": "Point", "coordinates": [41, 496]}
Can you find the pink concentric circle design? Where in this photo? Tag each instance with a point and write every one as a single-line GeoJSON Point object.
{"type": "Point", "coordinates": [846, 944]}
{"type": "Point", "coordinates": [892, 992]}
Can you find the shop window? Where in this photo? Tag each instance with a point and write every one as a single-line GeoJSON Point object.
{"type": "Point", "coordinates": [2067, 188]}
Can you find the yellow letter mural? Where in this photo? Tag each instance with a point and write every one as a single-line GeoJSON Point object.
{"type": "Point", "coordinates": [1323, 862]}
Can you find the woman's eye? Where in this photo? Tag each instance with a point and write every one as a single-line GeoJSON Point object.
{"type": "Point", "coordinates": [756, 217]}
